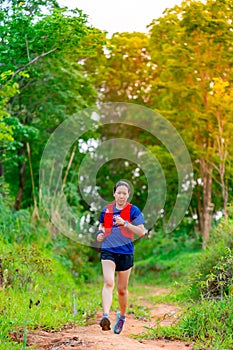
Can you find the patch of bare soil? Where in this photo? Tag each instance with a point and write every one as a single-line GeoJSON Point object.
{"type": "Point", "coordinates": [93, 338]}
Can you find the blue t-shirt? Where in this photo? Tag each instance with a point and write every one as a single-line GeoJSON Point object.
{"type": "Point", "coordinates": [116, 242]}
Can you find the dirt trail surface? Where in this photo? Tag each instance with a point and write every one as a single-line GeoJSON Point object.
{"type": "Point", "coordinates": [93, 338]}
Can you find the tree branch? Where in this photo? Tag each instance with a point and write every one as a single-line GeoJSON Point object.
{"type": "Point", "coordinates": [32, 62]}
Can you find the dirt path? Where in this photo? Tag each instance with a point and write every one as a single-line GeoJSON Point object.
{"type": "Point", "coordinates": [93, 338]}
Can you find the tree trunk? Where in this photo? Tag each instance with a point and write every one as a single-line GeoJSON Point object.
{"type": "Point", "coordinates": [2, 179]}
{"type": "Point", "coordinates": [1, 169]}
{"type": "Point", "coordinates": [207, 205]}
{"type": "Point", "coordinates": [224, 186]}
{"type": "Point", "coordinates": [199, 211]}
{"type": "Point", "coordinates": [223, 154]}
{"type": "Point", "coordinates": [19, 197]}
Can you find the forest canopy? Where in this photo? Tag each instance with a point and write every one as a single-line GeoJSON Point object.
{"type": "Point", "coordinates": [54, 65]}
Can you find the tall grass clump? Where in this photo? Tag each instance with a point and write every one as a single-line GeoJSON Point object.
{"type": "Point", "coordinates": [212, 276]}
{"type": "Point", "coordinates": [43, 279]}
{"type": "Point", "coordinates": [208, 318]}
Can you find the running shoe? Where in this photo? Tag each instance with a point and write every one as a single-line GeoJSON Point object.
{"type": "Point", "coordinates": [119, 324]}
{"type": "Point", "coordinates": [105, 324]}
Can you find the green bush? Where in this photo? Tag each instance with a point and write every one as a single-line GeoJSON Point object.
{"type": "Point", "coordinates": [82, 261]}
{"type": "Point", "coordinates": [208, 322]}
{"type": "Point", "coordinates": [20, 265]}
{"type": "Point", "coordinates": [219, 281]}
{"type": "Point", "coordinates": [212, 275]}
{"type": "Point", "coordinates": [42, 277]}
{"type": "Point", "coordinates": [38, 292]}
{"type": "Point", "coordinates": [17, 226]}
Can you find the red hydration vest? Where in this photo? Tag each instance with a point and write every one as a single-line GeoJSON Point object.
{"type": "Point", "coordinates": [108, 220]}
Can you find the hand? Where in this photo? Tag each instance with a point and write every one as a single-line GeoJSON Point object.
{"type": "Point", "coordinates": [119, 220]}
{"type": "Point", "coordinates": [100, 237]}
{"type": "Point", "coordinates": [100, 234]}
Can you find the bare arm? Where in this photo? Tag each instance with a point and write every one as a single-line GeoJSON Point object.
{"type": "Point", "coordinates": [138, 230]}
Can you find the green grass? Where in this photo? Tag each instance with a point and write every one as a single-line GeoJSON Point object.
{"type": "Point", "coordinates": [202, 283]}
{"type": "Point", "coordinates": [59, 305]}
{"type": "Point", "coordinates": [50, 282]}
{"type": "Point", "coordinates": [47, 298]}
{"type": "Point", "coordinates": [167, 270]}
{"type": "Point", "coordinates": [207, 324]}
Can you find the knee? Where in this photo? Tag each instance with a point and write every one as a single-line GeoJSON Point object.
{"type": "Point", "coordinates": [122, 291]}
{"type": "Point", "coordinates": [109, 284]}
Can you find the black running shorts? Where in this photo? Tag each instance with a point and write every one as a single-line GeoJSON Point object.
{"type": "Point", "coordinates": [123, 262]}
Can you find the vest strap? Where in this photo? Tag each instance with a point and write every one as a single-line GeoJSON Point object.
{"type": "Point", "coordinates": [124, 214]}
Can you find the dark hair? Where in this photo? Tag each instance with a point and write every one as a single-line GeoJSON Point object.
{"type": "Point", "coordinates": [121, 183]}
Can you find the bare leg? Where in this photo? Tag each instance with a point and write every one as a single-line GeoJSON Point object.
{"type": "Point", "coordinates": [122, 287]}
{"type": "Point", "coordinates": [108, 267]}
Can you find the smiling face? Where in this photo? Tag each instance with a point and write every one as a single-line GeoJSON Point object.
{"type": "Point", "coordinates": [121, 196]}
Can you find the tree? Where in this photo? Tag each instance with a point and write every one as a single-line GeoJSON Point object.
{"type": "Point", "coordinates": [126, 69]}
{"type": "Point", "coordinates": [191, 46]}
{"type": "Point", "coordinates": [47, 44]}
{"type": "Point", "coordinates": [221, 101]}
{"type": "Point", "coordinates": [127, 76]}
{"type": "Point", "coordinates": [7, 90]}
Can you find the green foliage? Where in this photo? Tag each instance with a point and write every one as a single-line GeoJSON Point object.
{"type": "Point", "coordinates": [79, 259]}
{"type": "Point", "coordinates": [164, 256]}
{"type": "Point", "coordinates": [219, 281]}
{"type": "Point", "coordinates": [126, 69]}
{"type": "Point", "coordinates": [7, 90]}
{"type": "Point", "coordinates": [208, 325]}
{"type": "Point", "coordinates": [41, 279]}
{"type": "Point", "coordinates": [139, 311]}
{"type": "Point", "coordinates": [51, 300]}
{"type": "Point", "coordinates": [212, 274]}
{"type": "Point", "coordinates": [52, 65]}
{"type": "Point", "coordinates": [207, 293]}
{"type": "Point", "coordinates": [21, 265]}
{"type": "Point", "coordinates": [18, 229]}
{"type": "Point", "coordinates": [39, 46]}
{"type": "Point", "coordinates": [17, 226]}
{"type": "Point", "coordinates": [193, 90]}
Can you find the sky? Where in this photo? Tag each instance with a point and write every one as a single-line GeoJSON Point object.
{"type": "Point", "coordinates": [121, 15]}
